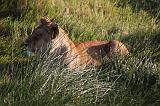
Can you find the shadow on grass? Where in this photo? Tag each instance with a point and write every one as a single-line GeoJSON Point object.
{"type": "Point", "coordinates": [136, 78]}
{"type": "Point", "coordinates": [142, 44]}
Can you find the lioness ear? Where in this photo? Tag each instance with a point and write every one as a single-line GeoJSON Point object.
{"type": "Point", "coordinates": [54, 29]}
{"type": "Point", "coordinates": [44, 21]}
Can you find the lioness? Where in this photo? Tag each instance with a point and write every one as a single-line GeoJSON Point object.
{"type": "Point", "coordinates": [76, 56]}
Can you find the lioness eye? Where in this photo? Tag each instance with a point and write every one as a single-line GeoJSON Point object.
{"type": "Point", "coordinates": [26, 44]}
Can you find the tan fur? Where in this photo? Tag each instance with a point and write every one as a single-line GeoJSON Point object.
{"type": "Point", "coordinates": [77, 56]}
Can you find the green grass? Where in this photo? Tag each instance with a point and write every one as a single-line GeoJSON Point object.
{"type": "Point", "coordinates": [129, 81]}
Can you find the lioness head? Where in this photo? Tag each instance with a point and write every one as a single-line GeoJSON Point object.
{"type": "Point", "coordinates": [41, 36]}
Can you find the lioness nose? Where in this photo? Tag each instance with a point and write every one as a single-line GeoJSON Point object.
{"type": "Point", "coordinates": [26, 44]}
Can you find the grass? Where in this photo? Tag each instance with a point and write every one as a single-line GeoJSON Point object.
{"type": "Point", "coordinates": [129, 81]}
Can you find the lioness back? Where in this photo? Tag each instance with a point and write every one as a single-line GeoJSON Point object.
{"type": "Point", "coordinates": [93, 52]}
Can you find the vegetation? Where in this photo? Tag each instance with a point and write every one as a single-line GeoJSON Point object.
{"type": "Point", "coordinates": [133, 80]}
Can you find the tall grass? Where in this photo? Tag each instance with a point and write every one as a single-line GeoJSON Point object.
{"type": "Point", "coordinates": [120, 81]}
{"type": "Point", "coordinates": [133, 80]}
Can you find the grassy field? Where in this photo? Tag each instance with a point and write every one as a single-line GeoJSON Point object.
{"type": "Point", "coordinates": [129, 81]}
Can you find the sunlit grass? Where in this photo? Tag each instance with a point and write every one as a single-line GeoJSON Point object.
{"type": "Point", "coordinates": [44, 82]}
